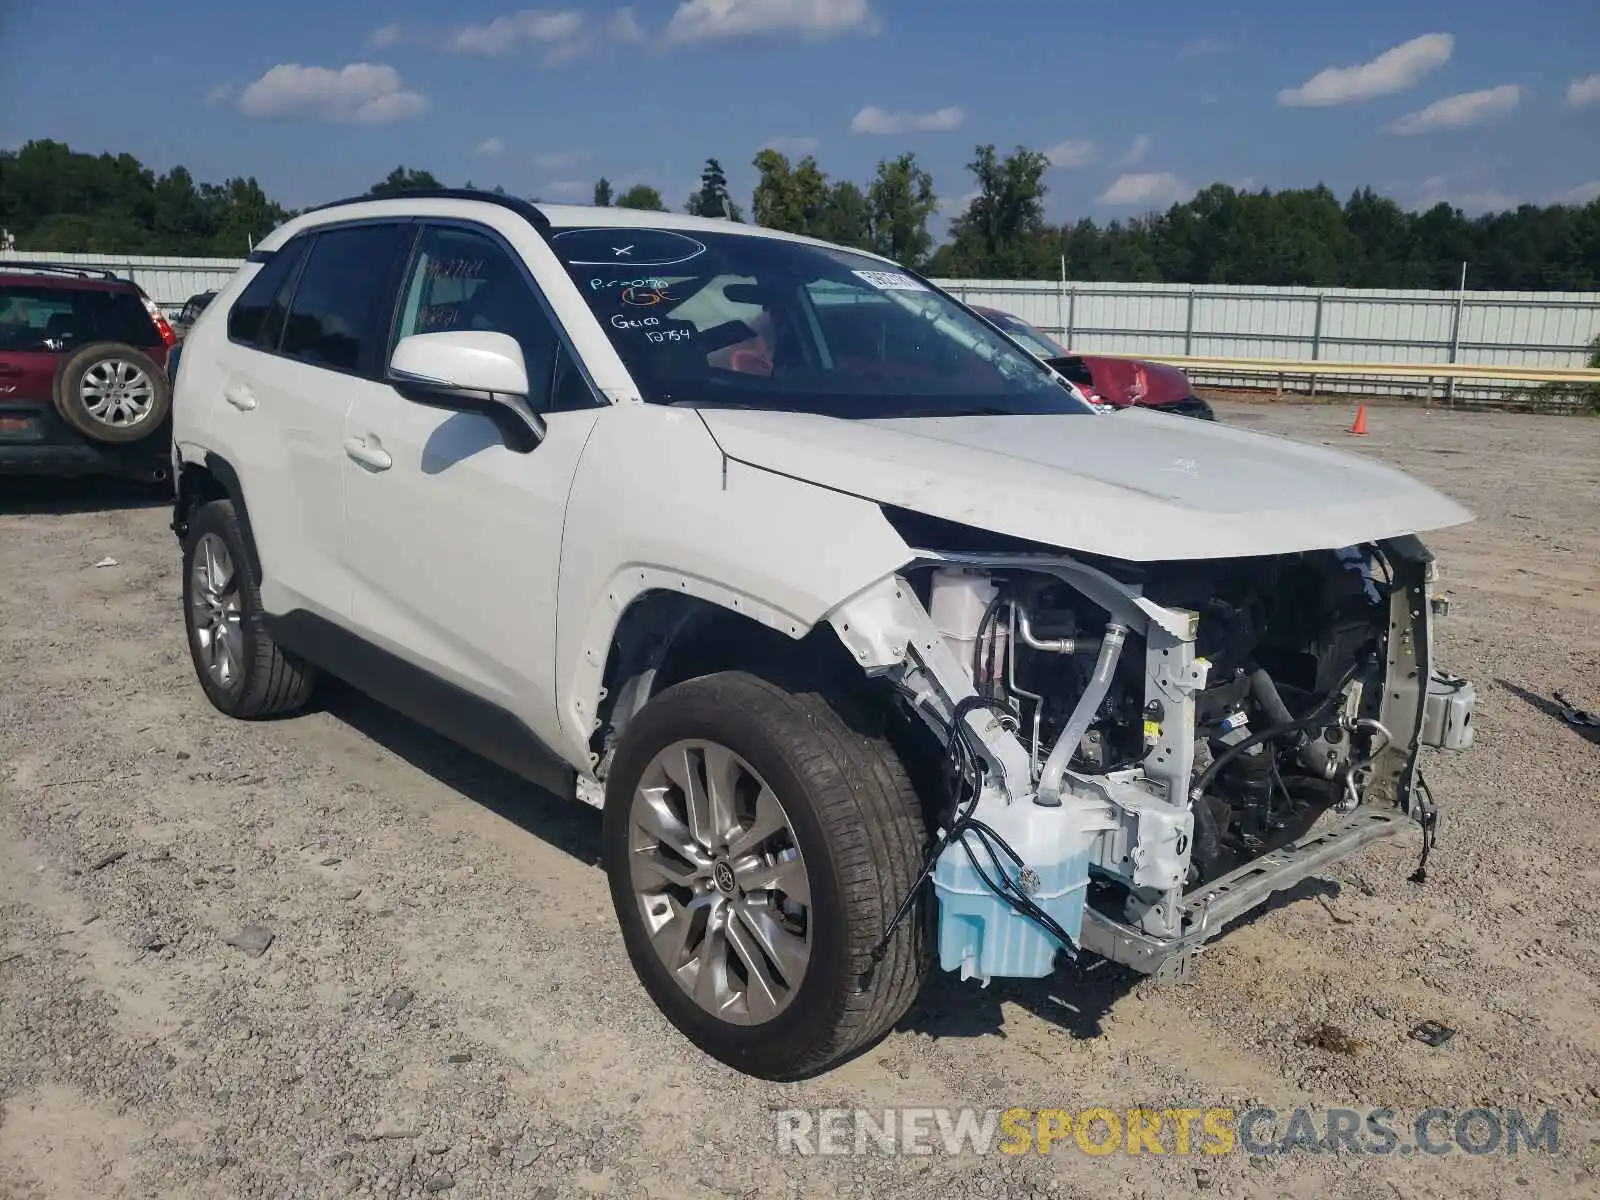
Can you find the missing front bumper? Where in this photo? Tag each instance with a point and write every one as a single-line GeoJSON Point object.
{"type": "Point", "coordinates": [1209, 909]}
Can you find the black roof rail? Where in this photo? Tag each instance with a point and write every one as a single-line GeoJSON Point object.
{"type": "Point", "coordinates": [25, 264]}
{"type": "Point", "coordinates": [525, 209]}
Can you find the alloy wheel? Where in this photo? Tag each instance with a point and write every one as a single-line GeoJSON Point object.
{"type": "Point", "coordinates": [117, 392]}
{"type": "Point", "coordinates": [214, 611]}
{"type": "Point", "coordinates": [720, 882]}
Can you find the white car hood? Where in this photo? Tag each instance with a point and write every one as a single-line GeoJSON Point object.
{"type": "Point", "coordinates": [1131, 485]}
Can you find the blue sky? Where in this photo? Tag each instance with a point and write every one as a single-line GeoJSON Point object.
{"type": "Point", "coordinates": [1480, 104]}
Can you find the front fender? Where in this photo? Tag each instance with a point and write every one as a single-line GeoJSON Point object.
{"type": "Point", "coordinates": [657, 506]}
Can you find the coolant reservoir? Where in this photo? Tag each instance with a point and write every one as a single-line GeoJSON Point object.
{"type": "Point", "coordinates": [958, 601]}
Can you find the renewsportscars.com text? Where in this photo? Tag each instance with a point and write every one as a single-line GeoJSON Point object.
{"type": "Point", "coordinates": [1170, 1131]}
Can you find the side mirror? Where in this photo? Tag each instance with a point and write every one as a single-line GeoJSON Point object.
{"type": "Point", "coordinates": [462, 361]}
{"type": "Point", "coordinates": [468, 370]}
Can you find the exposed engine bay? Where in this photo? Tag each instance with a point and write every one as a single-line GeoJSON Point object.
{"type": "Point", "coordinates": [1139, 753]}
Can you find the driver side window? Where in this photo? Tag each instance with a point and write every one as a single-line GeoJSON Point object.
{"type": "Point", "coordinates": [463, 280]}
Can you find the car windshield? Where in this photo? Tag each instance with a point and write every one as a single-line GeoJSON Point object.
{"type": "Point", "coordinates": [1040, 343]}
{"type": "Point", "coordinates": [747, 321]}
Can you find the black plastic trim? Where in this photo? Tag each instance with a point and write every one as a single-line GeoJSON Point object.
{"type": "Point", "coordinates": [222, 471]}
{"type": "Point", "coordinates": [470, 721]}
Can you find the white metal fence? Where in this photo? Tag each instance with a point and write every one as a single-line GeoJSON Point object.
{"type": "Point", "coordinates": [1531, 329]}
{"type": "Point", "coordinates": [1524, 329]}
{"type": "Point", "coordinates": [167, 281]}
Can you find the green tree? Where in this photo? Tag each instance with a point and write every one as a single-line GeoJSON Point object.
{"type": "Point", "coordinates": [603, 194]}
{"type": "Point", "coordinates": [711, 199]}
{"type": "Point", "coordinates": [900, 203]}
{"type": "Point", "coordinates": [1002, 234]}
{"type": "Point", "coordinates": [404, 179]}
{"type": "Point", "coordinates": [846, 219]}
{"type": "Point", "coordinates": [794, 200]}
{"type": "Point", "coordinates": [642, 196]}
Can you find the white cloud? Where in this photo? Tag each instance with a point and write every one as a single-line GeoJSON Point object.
{"type": "Point", "coordinates": [814, 20]}
{"type": "Point", "coordinates": [1204, 46]}
{"type": "Point", "coordinates": [384, 37]}
{"type": "Point", "coordinates": [489, 147]}
{"type": "Point", "coordinates": [559, 35]}
{"type": "Point", "coordinates": [621, 28]}
{"type": "Point", "coordinates": [517, 31]}
{"type": "Point", "coordinates": [1394, 70]}
{"type": "Point", "coordinates": [567, 189]}
{"type": "Point", "coordinates": [1136, 152]}
{"type": "Point", "coordinates": [218, 95]}
{"type": "Point", "coordinates": [1584, 193]}
{"type": "Point", "coordinates": [792, 146]}
{"type": "Point", "coordinates": [1460, 112]}
{"type": "Point", "coordinates": [1154, 188]}
{"type": "Point", "coordinates": [875, 120]}
{"type": "Point", "coordinates": [369, 93]}
{"type": "Point", "coordinates": [1583, 92]}
{"type": "Point", "coordinates": [1074, 152]}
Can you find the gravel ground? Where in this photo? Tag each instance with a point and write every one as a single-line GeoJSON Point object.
{"type": "Point", "coordinates": [332, 955]}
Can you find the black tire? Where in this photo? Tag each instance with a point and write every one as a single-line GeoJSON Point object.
{"type": "Point", "coordinates": [269, 682]}
{"type": "Point", "coordinates": [71, 405]}
{"type": "Point", "coordinates": [858, 824]}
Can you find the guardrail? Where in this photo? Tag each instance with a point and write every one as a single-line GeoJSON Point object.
{"type": "Point", "coordinates": [1314, 367]}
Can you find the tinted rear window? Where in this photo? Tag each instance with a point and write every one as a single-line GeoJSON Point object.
{"type": "Point", "coordinates": [47, 320]}
{"type": "Point", "coordinates": [247, 320]}
{"type": "Point", "coordinates": [339, 316]}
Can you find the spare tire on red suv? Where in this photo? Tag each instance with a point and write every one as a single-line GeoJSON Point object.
{"type": "Point", "coordinates": [112, 392]}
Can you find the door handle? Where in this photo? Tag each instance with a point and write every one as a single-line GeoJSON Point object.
{"type": "Point", "coordinates": [241, 397]}
{"type": "Point", "coordinates": [374, 458]}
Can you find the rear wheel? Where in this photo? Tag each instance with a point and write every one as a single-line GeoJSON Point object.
{"type": "Point", "coordinates": [112, 393]}
{"type": "Point", "coordinates": [243, 671]}
{"type": "Point", "coordinates": [757, 847]}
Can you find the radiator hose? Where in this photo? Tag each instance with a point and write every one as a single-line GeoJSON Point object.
{"type": "Point", "coordinates": [1055, 767]}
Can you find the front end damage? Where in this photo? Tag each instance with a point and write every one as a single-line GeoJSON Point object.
{"type": "Point", "coordinates": [1138, 754]}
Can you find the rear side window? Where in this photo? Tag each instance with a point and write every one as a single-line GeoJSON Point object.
{"type": "Point", "coordinates": [35, 319]}
{"type": "Point", "coordinates": [52, 320]}
{"type": "Point", "coordinates": [339, 316]}
{"type": "Point", "coordinates": [247, 320]}
{"type": "Point", "coordinates": [121, 317]}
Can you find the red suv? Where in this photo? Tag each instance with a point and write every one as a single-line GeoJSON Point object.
{"type": "Point", "coordinates": [83, 374]}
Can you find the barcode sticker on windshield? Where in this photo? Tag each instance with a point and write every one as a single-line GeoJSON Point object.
{"type": "Point", "coordinates": [890, 281]}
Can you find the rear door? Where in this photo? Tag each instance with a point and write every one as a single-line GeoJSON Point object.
{"type": "Point", "coordinates": [304, 346]}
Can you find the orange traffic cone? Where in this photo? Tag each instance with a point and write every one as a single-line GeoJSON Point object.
{"type": "Point", "coordinates": [1360, 426]}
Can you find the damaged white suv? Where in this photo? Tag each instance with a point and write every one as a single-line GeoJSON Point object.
{"type": "Point", "coordinates": [876, 644]}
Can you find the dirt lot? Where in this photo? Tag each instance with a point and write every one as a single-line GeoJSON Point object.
{"type": "Point", "coordinates": [445, 1007]}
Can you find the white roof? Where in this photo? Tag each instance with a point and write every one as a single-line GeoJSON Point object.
{"type": "Point", "coordinates": [564, 216]}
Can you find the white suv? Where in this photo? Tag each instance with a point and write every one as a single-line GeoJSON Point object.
{"type": "Point", "coordinates": [874, 641]}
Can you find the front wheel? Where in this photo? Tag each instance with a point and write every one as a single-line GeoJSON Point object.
{"type": "Point", "coordinates": [757, 847]}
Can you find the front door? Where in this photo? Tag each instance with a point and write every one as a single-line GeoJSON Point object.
{"type": "Point", "coordinates": [453, 539]}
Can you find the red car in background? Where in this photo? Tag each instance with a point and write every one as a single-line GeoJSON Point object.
{"type": "Point", "coordinates": [1116, 382]}
{"type": "Point", "coordinates": [83, 374]}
